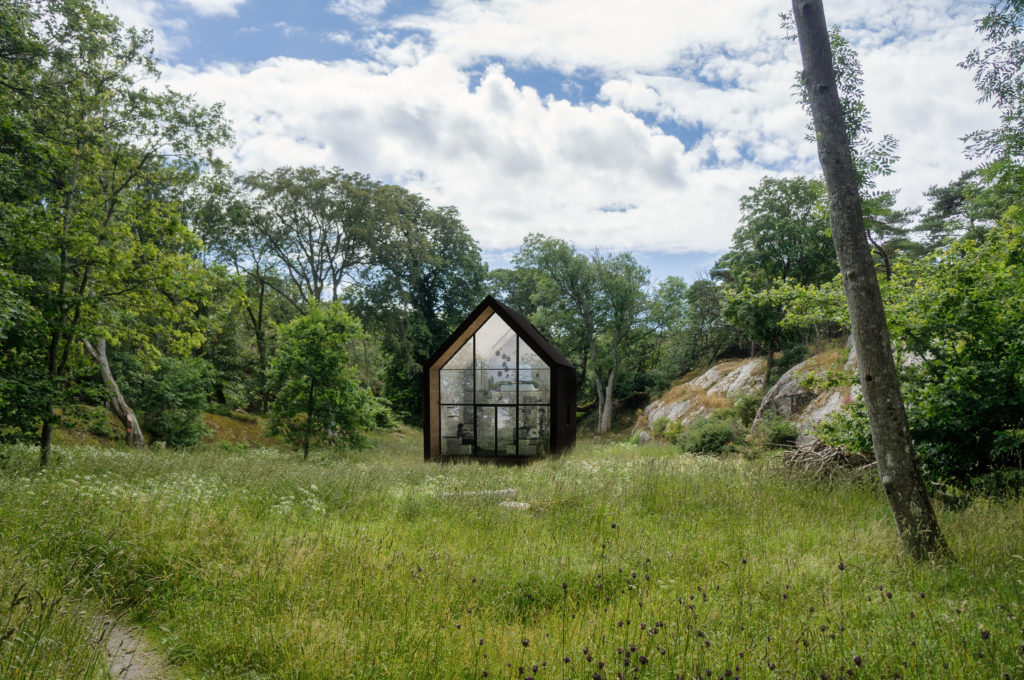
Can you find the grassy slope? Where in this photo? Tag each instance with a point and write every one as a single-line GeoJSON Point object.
{"type": "Point", "coordinates": [249, 563]}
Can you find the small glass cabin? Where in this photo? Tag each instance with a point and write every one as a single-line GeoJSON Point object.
{"type": "Point", "coordinates": [498, 390]}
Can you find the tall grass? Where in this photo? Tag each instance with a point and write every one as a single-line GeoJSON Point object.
{"type": "Point", "coordinates": [639, 562]}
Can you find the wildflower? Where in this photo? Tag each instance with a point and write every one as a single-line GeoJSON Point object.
{"type": "Point", "coordinates": [526, 642]}
{"type": "Point", "coordinates": [857, 660]}
{"type": "Point", "coordinates": [984, 634]}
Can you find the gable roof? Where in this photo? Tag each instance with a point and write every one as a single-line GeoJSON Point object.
{"type": "Point", "coordinates": [534, 338]}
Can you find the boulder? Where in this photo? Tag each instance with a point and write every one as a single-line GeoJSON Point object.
{"type": "Point", "coordinates": [715, 388]}
{"type": "Point", "coordinates": [807, 407]}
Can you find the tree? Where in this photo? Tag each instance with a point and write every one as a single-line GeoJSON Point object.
{"type": "Point", "coordinates": [317, 224]}
{"type": "Point", "coordinates": [597, 304]}
{"type": "Point", "coordinates": [424, 275]}
{"type": "Point", "coordinates": [782, 238]}
{"type": "Point", "coordinates": [319, 397]}
{"type": "Point", "coordinates": [999, 76]}
{"type": "Point", "coordinates": [94, 234]}
{"type": "Point", "coordinates": [890, 434]}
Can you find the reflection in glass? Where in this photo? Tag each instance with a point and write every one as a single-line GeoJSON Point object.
{"type": "Point", "coordinates": [462, 359]}
{"type": "Point", "coordinates": [457, 430]}
{"type": "Point", "coordinates": [528, 358]}
{"type": "Point", "coordinates": [485, 431]}
{"type": "Point", "coordinates": [495, 396]}
{"type": "Point", "coordinates": [506, 431]}
{"type": "Point", "coordinates": [495, 386]}
{"type": "Point", "coordinates": [534, 430]}
{"type": "Point", "coordinates": [535, 386]}
{"type": "Point", "coordinates": [456, 386]}
{"type": "Point", "coordinates": [496, 346]}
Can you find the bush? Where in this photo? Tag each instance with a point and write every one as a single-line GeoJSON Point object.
{"type": "Point", "coordinates": [847, 428]}
{"type": "Point", "coordinates": [172, 400]}
{"type": "Point", "coordinates": [774, 431]}
{"type": "Point", "coordinates": [93, 419]}
{"type": "Point", "coordinates": [745, 408]}
{"type": "Point", "coordinates": [709, 435]}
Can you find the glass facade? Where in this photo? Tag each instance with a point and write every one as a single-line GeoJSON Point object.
{"type": "Point", "coordinates": [495, 396]}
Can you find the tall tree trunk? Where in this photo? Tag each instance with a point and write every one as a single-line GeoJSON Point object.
{"type": "Point", "coordinates": [769, 364]}
{"type": "Point", "coordinates": [116, 403]}
{"type": "Point", "coordinates": [309, 422]}
{"type": "Point", "coordinates": [605, 421]}
{"type": "Point", "coordinates": [890, 435]}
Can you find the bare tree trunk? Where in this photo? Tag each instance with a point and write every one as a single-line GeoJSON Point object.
{"type": "Point", "coordinates": [309, 422]}
{"type": "Point", "coordinates": [890, 434]}
{"type": "Point", "coordinates": [116, 403]}
{"type": "Point", "coordinates": [604, 423]}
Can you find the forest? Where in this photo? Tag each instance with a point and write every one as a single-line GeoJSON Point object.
{"type": "Point", "coordinates": [211, 386]}
{"type": "Point", "coordinates": [140, 273]}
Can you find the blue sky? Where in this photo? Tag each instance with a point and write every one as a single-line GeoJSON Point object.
{"type": "Point", "coordinates": [618, 126]}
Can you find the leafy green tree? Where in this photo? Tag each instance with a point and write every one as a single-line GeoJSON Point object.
{"type": "Point", "coordinates": [317, 224]}
{"type": "Point", "coordinates": [998, 71]}
{"type": "Point", "coordinates": [956, 320]}
{"type": "Point", "coordinates": [424, 276]}
{"type": "Point", "coordinates": [172, 395]}
{"type": "Point", "coordinates": [318, 393]}
{"type": "Point", "coordinates": [783, 238]}
{"type": "Point", "coordinates": [93, 232]}
{"type": "Point", "coordinates": [596, 306]}
{"type": "Point", "coordinates": [241, 342]}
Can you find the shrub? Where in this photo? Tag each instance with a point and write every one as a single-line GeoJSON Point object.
{"type": "Point", "coordinates": [709, 435]}
{"type": "Point", "coordinates": [774, 431]}
{"type": "Point", "coordinates": [745, 408]}
{"type": "Point", "coordinates": [172, 400]}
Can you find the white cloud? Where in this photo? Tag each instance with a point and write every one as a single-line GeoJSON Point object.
{"type": "Point", "coordinates": [341, 38]}
{"type": "Point", "coordinates": [358, 9]}
{"type": "Point", "coordinates": [208, 8]}
{"type": "Point", "coordinates": [429, 113]}
{"type": "Point", "coordinates": [168, 34]}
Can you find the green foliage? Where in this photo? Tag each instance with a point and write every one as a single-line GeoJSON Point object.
{"type": "Point", "coordinates": [173, 400]}
{"type": "Point", "coordinates": [594, 308]}
{"type": "Point", "coordinates": [377, 535]}
{"type": "Point", "coordinates": [319, 396]}
{"type": "Point", "coordinates": [961, 313]}
{"type": "Point", "coordinates": [710, 435]}
{"type": "Point", "coordinates": [93, 419]}
{"type": "Point", "coordinates": [847, 428]}
{"type": "Point", "coordinates": [782, 240]}
{"type": "Point", "coordinates": [745, 407]}
{"type": "Point", "coordinates": [89, 222]}
{"type": "Point", "coordinates": [999, 77]}
{"type": "Point", "coordinates": [774, 431]}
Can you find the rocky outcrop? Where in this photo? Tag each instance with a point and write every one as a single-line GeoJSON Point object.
{"type": "Point", "coordinates": [720, 385]}
{"type": "Point", "coordinates": [717, 387]}
{"type": "Point", "coordinates": [805, 406]}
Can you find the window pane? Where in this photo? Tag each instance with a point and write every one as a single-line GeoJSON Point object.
{"type": "Point", "coordinates": [463, 358]}
{"type": "Point", "coordinates": [456, 386]}
{"type": "Point", "coordinates": [534, 430]}
{"type": "Point", "coordinates": [496, 345]}
{"type": "Point", "coordinates": [485, 431]}
{"type": "Point", "coordinates": [457, 430]}
{"type": "Point", "coordinates": [507, 431]}
{"type": "Point", "coordinates": [495, 386]}
{"type": "Point", "coordinates": [528, 358]}
{"type": "Point", "coordinates": [535, 386]}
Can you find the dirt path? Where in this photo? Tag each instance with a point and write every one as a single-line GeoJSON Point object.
{"type": "Point", "coordinates": [129, 657]}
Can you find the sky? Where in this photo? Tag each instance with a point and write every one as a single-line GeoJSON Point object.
{"type": "Point", "coordinates": [614, 125]}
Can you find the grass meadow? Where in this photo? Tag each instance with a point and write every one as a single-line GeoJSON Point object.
{"type": "Point", "coordinates": [633, 562]}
